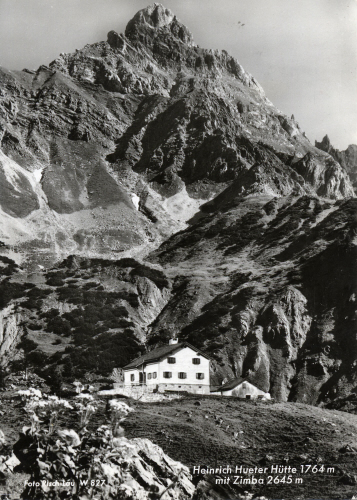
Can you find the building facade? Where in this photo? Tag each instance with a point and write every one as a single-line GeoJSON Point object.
{"type": "Point", "coordinates": [175, 367]}
{"type": "Point", "coordinates": [241, 388]}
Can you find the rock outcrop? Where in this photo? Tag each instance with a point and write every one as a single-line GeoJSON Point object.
{"type": "Point", "coordinates": [347, 158]}
{"type": "Point", "coordinates": [144, 471]}
{"type": "Point", "coordinates": [11, 331]}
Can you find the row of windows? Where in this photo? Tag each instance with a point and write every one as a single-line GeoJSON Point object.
{"type": "Point", "coordinates": [195, 361]}
{"type": "Point", "coordinates": [182, 375]}
{"type": "Point", "coordinates": [199, 376]}
{"type": "Point", "coordinates": [150, 376]}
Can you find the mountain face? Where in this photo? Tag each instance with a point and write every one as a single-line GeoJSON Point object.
{"type": "Point", "coordinates": [268, 288]}
{"type": "Point", "coordinates": [347, 159]}
{"type": "Point", "coordinates": [137, 132]}
{"type": "Point", "coordinates": [147, 146]}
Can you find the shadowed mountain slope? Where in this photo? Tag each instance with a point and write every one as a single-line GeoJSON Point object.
{"type": "Point", "coordinates": [268, 289]}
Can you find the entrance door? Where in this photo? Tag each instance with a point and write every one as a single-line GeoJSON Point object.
{"type": "Point", "coordinates": [142, 378]}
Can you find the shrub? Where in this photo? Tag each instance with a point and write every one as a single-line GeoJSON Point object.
{"type": "Point", "coordinates": [36, 358]}
{"type": "Point", "coordinates": [55, 281]}
{"type": "Point", "coordinates": [10, 291]}
{"type": "Point", "coordinates": [90, 284]}
{"type": "Point", "coordinates": [59, 326]}
{"type": "Point", "coordinates": [27, 344]}
{"type": "Point", "coordinates": [53, 456]}
{"type": "Point", "coordinates": [50, 314]}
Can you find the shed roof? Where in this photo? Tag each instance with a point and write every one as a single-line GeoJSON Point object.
{"type": "Point", "coordinates": [234, 382]}
{"type": "Point", "coordinates": [161, 353]}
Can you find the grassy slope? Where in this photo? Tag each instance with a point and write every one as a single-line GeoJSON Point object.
{"type": "Point", "coordinates": [291, 434]}
{"type": "Point", "coordinates": [86, 314]}
{"type": "Point", "coordinates": [268, 434]}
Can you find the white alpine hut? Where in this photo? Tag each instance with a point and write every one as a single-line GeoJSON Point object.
{"type": "Point", "coordinates": [176, 367]}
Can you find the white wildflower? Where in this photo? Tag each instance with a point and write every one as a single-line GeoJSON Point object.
{"type": "Point", "coordinates": [36, 392]}
{"type": "Point", "coordinates": [2, 438]}
{"type": "Point", "coordinates": [24, 393]}
{"type": "Point", "coordinates": [53, 398]}
{"type": "Point", "coordinates": [70, 436]}
{"type": "Point", "coordinates": [85, 396]}
{"type": "Point", "coordinates": [65, 404]}
{"type": "Point", "coordinates": [79, 386]}
{"type": "Point", "coordinates": [30, 393]}
{"type": "Point", "coordinates": [42, 403]}
{"type": "Point", "coordinates": [120, 406]}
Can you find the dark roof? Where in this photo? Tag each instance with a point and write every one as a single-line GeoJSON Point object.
{"type": "Point", "coordinates": [231, 384]}
{"type": "Point", "coordinates": [159, 354]}
{"type": "Point", "coordinates": [234, 382]}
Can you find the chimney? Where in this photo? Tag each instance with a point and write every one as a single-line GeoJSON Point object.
{"type": "Point", "coordinates": [173, 341]}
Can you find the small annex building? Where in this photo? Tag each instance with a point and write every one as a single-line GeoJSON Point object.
{"type": "Point", "coordinates": [241, 388]}
{"type": "Point", "coordinates": [176, 367]}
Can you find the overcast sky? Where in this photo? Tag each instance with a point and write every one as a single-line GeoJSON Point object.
{"type": "Point", "coordinates": [303, 52]}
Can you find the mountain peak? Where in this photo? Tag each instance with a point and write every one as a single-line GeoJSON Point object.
{"type": "Point", "coordinates": [154, 17]}
{"type": "Point", "coordinates": [325, 144]}
{"type": "Point", "coordinates": [347, 159]}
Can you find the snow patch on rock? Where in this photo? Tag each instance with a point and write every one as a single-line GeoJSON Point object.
{"type": "Point", "coordinates": [37, 174]}
{"type": "Point", "coordinates": [136, 200]}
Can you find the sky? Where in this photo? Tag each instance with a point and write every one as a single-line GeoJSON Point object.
{"type": "Point", "coordinates": [302, 52]}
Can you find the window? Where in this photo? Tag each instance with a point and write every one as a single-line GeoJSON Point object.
{"type": "Point", "coordinates": [200, 376]}
{"type": "Point", "coordinates": [132, 377]}
{"type": "Point", "coordinates": [167, 374]}
{"type": "Point", "coordinates": [171, 361]}
{"type": "Point", "coordinates": [182, 375]}
{"type": "Point", "coordinates": [149, 376]}
{"type": "Point", "coordinates": [154, 375]}
{"type": "Point", "coordinates": [196, 361]}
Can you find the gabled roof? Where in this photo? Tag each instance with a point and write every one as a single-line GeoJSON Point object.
{"type": "Point", "coordinates": [234, 382]}
{"type": "Point", "coordinates": [161, 353]}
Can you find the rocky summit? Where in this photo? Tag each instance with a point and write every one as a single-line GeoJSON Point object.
{"type": "Point", "coordinates": [347, 158]}
{"type": "Point", "coordinates": [148, 187]}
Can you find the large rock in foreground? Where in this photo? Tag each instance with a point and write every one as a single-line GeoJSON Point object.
{"type": "Point", "coordinates": [145, 472]}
